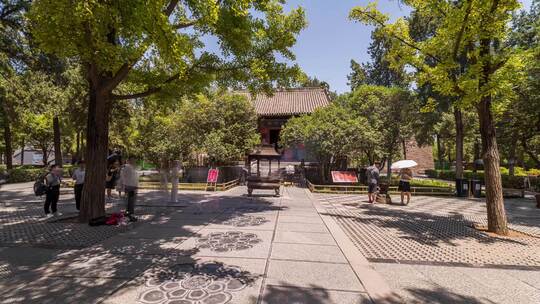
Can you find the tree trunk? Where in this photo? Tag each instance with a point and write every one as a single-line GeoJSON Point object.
{"type": "Point", "coordinates": [45, 153]}
{"type": "Point", "coordinates": [459, 142]}
{"type": "Point", "coordinates": [165, 171]}
{"type": "Point", "coordinates": [8, 138]}
{"type": "Point", "coordinates": [97, 140]}
{"type": "Point", "coordinates": [404, 146]}
{"type": "Point", "coordinates": [440, 151]}
{"type": "Point", "coordinates": [22, 151]}
{"type": "Point", "coordinates": [496, 213]}
{"type": "Point", "coordinates": [389, 168]}
{"type": "Point", "coordinates": [512, 157]}
{"type": "Point", "coordinates": [57, 142]}
{"type": "Point", "coordinates": [78, 147]}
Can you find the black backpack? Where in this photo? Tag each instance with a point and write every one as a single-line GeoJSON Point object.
{"type": "Point", "coordinates": [40, 187]}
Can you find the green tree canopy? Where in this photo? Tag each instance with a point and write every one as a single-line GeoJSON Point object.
{"type": "Point", "coordinates": [133, 49]}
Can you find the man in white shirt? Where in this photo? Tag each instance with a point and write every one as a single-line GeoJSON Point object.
{"type": "Point", "coordinates": [78, 177]}
{"type": "Point", "coordinates": [130, 181]}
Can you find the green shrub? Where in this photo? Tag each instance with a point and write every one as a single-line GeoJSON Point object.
{"type": "Point", "coordinates": [535, 183]}
{"type": "Point", "coordinates": [24, 174]}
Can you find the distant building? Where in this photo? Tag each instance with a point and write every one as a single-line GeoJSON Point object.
{"type": "Point", "coordinates": [31, 157]}
{"type": "Point", "coordinates": [274, 111]}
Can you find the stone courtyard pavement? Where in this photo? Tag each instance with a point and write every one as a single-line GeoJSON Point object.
{"type": "Point", "coordinates": [428, 253]}
{"type": "Point", "coordinates": [221, 248]}
{"type": "Point", "coordinates": [302, 248]}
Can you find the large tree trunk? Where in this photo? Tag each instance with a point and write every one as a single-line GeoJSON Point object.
{"type": "Point", "coordinates": [496, 214]}
{"type": "Point", "coordinates": [57, 142]}
{"type": "Point", "coordinates": [459, 142]}
{"type": "Point", "coordinates": [97, 139]}
{"type": "Point", "coordinates": [8, 137]}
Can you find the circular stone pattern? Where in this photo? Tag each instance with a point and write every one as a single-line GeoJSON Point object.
{"type": "Point", "coordinates": [228, 241]}
{"type": "Point", "coordinates": [246, 220]}
{"type": "Point", "coordinates": [202, 285]}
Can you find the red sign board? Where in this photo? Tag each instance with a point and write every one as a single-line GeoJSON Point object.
{"type": "Point", "coordinates": [212, 176]}
{"type": "Point", "coordinates": [344, 177]}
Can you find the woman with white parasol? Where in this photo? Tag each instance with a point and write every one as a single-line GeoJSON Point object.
{"type": "Point", "coordinates": [405, 176]}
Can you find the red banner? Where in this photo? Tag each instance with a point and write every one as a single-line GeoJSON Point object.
{"type": "Point", "coordinates": [212, 176]}
{"type": "Point", "coordinates": [344, 177]}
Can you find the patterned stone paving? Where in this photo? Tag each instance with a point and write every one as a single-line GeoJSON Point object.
{"type": "Point", "coordinates": [436, 230]}
{"type": "Point", "coordinates": [246, 220]}
{"type": "Point", "coordinates": [228, 241]}
{"type": "Point", "coordinates": [26, 226]}
{"type": "Point", "coordinates": [208, 283]}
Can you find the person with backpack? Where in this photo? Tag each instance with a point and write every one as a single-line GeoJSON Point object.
{"type": "Point", "coordinates": [52, 181]}
{"type": "Point", "coordinates": [78, 177]}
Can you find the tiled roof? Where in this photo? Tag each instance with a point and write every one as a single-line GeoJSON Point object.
{"type": "Point", "coordinates": [289, 101]}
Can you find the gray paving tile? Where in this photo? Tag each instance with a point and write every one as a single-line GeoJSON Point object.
{"type": "Point", "coordinates": [164, 233]}
{"type": "Point", "coordinates": [93, 263]}
{"type": "Point", "coordinates": [138, 246]}
{"type": "Point", "coordinates": [304, 238]}
{"type": "Point", "coordinates": [301, 227]}
{"type": "Point", "coordinates": [299, 219]}
{"type": "Point", "coordinates": [52, 290]}
{"type": "Point", "coordinates": [304, 252]}
{"type": "Point", "coordinates": [289, 294]}
{"type": "Point", "coordinates": [313, 275]}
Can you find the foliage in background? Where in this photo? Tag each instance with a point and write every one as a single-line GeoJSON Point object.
{"type": "Point", "coordinates": [221, 126]}
{"type": "Point", "coordinates": [332, 134]}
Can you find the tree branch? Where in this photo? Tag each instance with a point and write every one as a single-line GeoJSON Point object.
{"type": "Point", "coordinates": [462, 30]}
{"type": "Point", "coordinates": [183, 25]}
{"type": "Point", "coordinates": [118, 77]}
{"type": "Point", "coordinates": [170, 7]}
{"type": "Point", "coordinates": [147, 92]}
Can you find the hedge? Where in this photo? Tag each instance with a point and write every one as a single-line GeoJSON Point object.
{"type": "Point", "coordinates": [513, 182]}
{"type": "Point", "coordinates": [26, 173]}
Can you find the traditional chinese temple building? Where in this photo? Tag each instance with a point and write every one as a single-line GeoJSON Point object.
{"type": "Point", "coordinates": [274, 111]}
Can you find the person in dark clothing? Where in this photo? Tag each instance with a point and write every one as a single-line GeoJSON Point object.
{"type": "Point", "coordinates": [78, 177]}
{"type": "Point", "coordinates": [52, 180]}
{"type": "Point", "coordinates": [112, 177]}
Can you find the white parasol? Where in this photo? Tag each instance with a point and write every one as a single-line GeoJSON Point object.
{"type": "Point", "coordinates": [402, 164]}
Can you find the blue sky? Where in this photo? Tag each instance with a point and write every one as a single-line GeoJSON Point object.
{"type": "Point", "coordinates": [325, 48]}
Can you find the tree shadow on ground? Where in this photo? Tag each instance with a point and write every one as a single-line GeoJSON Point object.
{"type": "Point", "coordinates": [93, 273]}
{"type": "Point", "coordinates": [443, 296]}
{"type": "Point", "coordinates": [422, 227]}
{"type": "Point", "coordinates": [308, 295]}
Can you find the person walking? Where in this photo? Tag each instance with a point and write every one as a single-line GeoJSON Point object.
{"type": "Point", "coordinates": [112, 177]}
{"type": "Point", "coordinates": [78, 177]}
{"type": "Point", "coordinates": [130, 181]}
{"type": "Point", "coordinates": [405, 176]}
{"type": "Point", "coordinates": [52, 181]}
{"type": "Point", "coordinates": [373, 180]}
